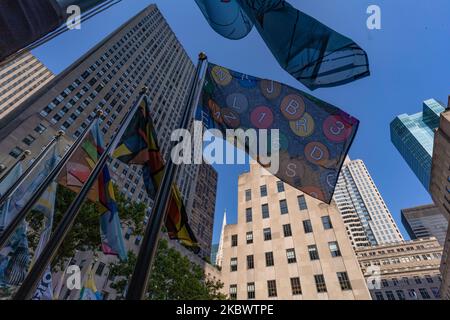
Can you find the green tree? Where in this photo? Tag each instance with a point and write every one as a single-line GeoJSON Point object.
{"type": "Point", "coordinates": [173, 277]}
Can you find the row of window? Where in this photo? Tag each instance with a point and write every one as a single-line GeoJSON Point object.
{"type": "Point", "coordinates": [405, 280]}
{"type": "Point", "coordinates": [412, 294]}
{"type": "Point", "coordinates": [296, 288]}
{"type": "Point", "coordinates": [291, 257]}
{"type": "Point", "coordinates": [283, 208]}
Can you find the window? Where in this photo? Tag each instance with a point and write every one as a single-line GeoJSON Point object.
{"type": "Point", "coordinates": [302, 202]}
{"type": "Point", "coordinates": [248, 215]}
{"type": "Point", "coordinates": [384, 283]}
{"type": "Point", "coordinates": [326, 221]}
{"type": "Point", "coordinates": [28, 140]}
{"type": "Point", "coordinates": [424, 293]}
{"type": "Point", "coordinates": [269, 259]}
{"type": "Point", "coordinates": [283, 207]}
{"type": "Point", "coordinates": [249, 237]}
{"type": "Point", "coordinates": [390, 295]}
{"type": "Point", "coordinates": [16, 152]}
{"type": "Point", "coordinates": [417, 280]}
{"type": "Point", "coordinates": [313, 253]}
{"type": "Point", "coordinates": [265, 211]}
{"type": "Point", "coordinates": [436, 292]}
{"type": "Point", "coordinates": [251, 290]}
{"type": "Point", "coordinates": [287, 230]}
{"type": "Point", "coordinates": [100, 268]}
{"type": "Point", "coordinates": [295, 286]}
{"type": "Point", "coordinates": [40, 128]}
{"type": "Point", "coordinates": [248, 195]}
{"type": "Point", "coordinates": [263, 190]}
{"type": "Point", "coordinates": [307, 226]}
{"type": "Point", "coordinates": [429, 279]}
{"type": "Point", "coordinates": [267, 234]}
{"type": "Point", "coordinates": [233, 291]}
{"type": "Point", "coordinates": [320, 283]}
{"type": "Point", "coordinates": [271, 288]}
{"type": "Point", "coordinates": [250, 262]}
{"type": "Point", "coordinates": [344, 281]}
{"type": "Point", "coordinates": [233, 264]}
{"type": "Point", "coordinates": [334, 249]}
{"type": "Point", "coordinates": [379, 295]}
{"type": "Point", "coordinates": [234, 240]}
{"type": "Point", "coordinates": [400, 295]}
{"type": "Point", "coordinates": [290, 254]}
{"type": "Point", "coordinates": [280, 186]}
{"type": "Point", "coordinates": [412, 293]}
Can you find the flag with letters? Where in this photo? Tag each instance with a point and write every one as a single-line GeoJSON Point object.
{"type": "Point", "coordinates": [314, 136]}
{"type": "Point", "coordinates": [310, 51]}
{"type": "Point", "coordinates": [139, 145]}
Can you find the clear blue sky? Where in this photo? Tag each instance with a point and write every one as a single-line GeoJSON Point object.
{"type": "Point", "coordinates": [409, 60]}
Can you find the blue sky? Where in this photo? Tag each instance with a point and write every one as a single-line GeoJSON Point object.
{"type": "Point", "coordinates": [409, 60]}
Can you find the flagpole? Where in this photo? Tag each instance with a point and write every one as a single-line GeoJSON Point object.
{"type": "Point", "coordinates": [20, 216]}
{"type": "Point", "coordinates": [141, 274]}
{"type": "Point", "coordinates": [28, 171]}
{"type": "Point", "coordinates": [30, 283]}
{"type": "Point", "coordinates": [11, 168]}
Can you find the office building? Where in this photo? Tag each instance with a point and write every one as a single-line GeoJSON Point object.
{"type": "Point", "coordinates": [407, 270]}
{"type": "Point", "coordinates": [440, 188]}
{"type": "Point", "coordinates": [425, 222]}
{"type": "Point", "coordinates": [204, 204]}
{"type": "Point", "coordinates": [413, 136]}
{"type": "Point", "coordinates": [357, 198]}
{"type": "Point", "coordinates": [287, 245]}
{"type": "Point", "coordinates": [19, 79]}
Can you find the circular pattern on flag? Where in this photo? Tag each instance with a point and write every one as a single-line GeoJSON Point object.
{"type": "Point", "coordinates": [317, 153]}
{"type": "Point", "coordinates": [292, 107]}
{"type": "Point", "coordinates": [336, 129]}
{"type": "Point", "coordinates": [262, 117]}
{"type": "Point", "coordinates": [270, 89]}
{"type": "Point", "coordinates": [303, 127]}
{"type": "Point", "coordinates": [237, 102]}
{"type": "Point", "coordinates": [215, 111]}
{"type": "Point", "coordinates": [221, 76]}
{"type": "Point", "coordinates": [230, 118]}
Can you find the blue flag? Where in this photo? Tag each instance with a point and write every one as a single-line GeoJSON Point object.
{"type": "Point", "coordinates": [311, 52]}
{"type": "Point", "coordinates": [314, 136]}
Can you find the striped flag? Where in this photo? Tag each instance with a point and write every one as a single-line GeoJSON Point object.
{"type": "Point", "coordinates": [139, 145]}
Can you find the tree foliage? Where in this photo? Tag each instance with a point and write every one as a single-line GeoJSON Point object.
{"type": "Point", "coordinates": [173, 277]}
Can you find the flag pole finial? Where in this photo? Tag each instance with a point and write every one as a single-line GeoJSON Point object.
{"type": "Point", "coordinates": [144, 90]}
{"type": "Point", "coordinates": [60, 133]}
{"type": "Point", "coordinates": [202, 56]}
{"type": "Point", "coordinates": [99, 113]}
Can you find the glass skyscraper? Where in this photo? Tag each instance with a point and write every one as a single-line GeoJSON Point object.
{"type": "Point", "coordinates": [413, 136]}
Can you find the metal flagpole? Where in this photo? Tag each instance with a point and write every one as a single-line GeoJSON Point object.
{"type": "Point", "coordinates": [28, 171]}
{"type": "Point", "coordinates": [141, 274]}
{"type": "Point", "coordinates": [30, 283]}
{"type": "Point", "coordinates": [18, 218]}
{"type": "Point", "coordinates": [11, 168]}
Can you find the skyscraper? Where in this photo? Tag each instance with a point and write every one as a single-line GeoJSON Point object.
{"type": "Point", "coordinates": [19, 79]}
{"type": "Point", "coordinates": [357, 198]}
{"type": "Point", "coordinates": [142, 52]}
{"type": "Point", "coordinates": [203, 207]}
{"type": "Point", "coordinates": [287, 245]}
{"type": "Point", "coordinates": [425, 222]}
{"type": "Point", "coordinates": [413, 136]}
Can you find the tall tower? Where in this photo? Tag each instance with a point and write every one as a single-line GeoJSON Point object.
{"type": "Point", "coordinates": [219, 255]}
{"type": "Point", "coordinates": [287, 245]}
{"type": "Point", "coordinates": [142, 52]}
{"type": "Point", "coordinates": [413, 136]}
{"type": "Point", "coordinates": [19, 79]}
{"type": "Point", "coordinates": [358, 198]}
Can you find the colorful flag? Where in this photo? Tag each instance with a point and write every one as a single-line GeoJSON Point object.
{"type": "Point", "coordinates": [7, 183]}
{"type": "Point", "coordinates": [314, 136]}
{"type": "Point", "coordinates": [89, 290]}
{"type": "Point", "coordinates": [139, 145]}
{"type": "Point", "coordinates": [311, 52]}
{"type": "Point", "coordinates": [77, 172]}
{"type": "Point", "coordinates": [45, 205]}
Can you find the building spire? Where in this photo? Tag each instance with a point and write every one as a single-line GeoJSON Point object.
{"type": "Point", "coordinates": [219, 255]}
